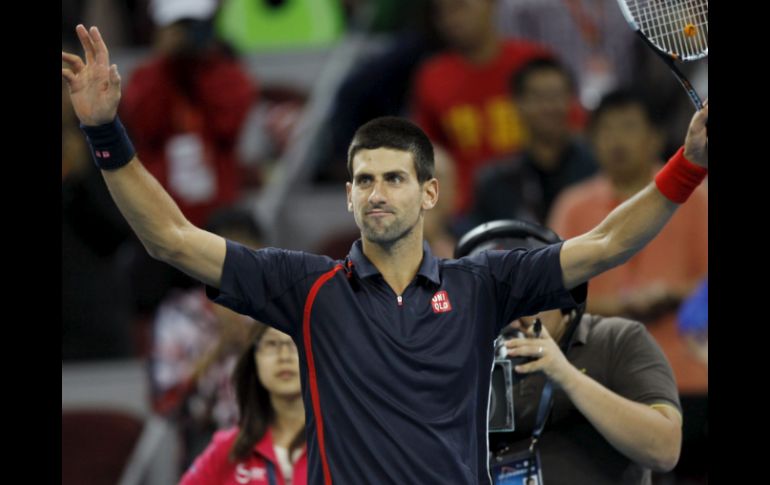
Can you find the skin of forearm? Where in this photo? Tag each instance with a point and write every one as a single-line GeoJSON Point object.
{"type": "Point", "coordinates": [633, 224]}
{"type": "Point", "coordinates": [636, 430]}
{"type": "Point", "coordinates": [149, 210]}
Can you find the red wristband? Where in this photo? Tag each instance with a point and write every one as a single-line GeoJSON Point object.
{"type": "Point", "coordinates": [679, 178]}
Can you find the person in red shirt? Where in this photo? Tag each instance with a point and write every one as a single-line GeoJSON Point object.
{"type": "Point", "coordinates": [461, 98]}
{"type": "Point", "coordinates": [185, 107]}
{"type": "Point", "coordinates": [268, 446]}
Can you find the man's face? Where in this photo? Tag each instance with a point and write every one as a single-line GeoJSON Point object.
{"type": "Point", "coordinates": [625, 142]}
{"type": "Point", "coordinates": [463, 23]}
{"type": "Point", "coordinates": [544, 103]}
{"type": "Point", "coordinates": [551, 319]}
{"type": "Point", "coordinates": [385, 197]}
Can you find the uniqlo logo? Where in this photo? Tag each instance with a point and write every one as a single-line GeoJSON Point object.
{"type": "Point", "coordinates": [440, 302]}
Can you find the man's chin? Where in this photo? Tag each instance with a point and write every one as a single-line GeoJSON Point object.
{"type": "Point", "coordinates": [380, 238]}
{"type": "Point", "coordinates": [382, 235]}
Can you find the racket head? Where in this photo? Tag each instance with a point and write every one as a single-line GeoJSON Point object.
{"type": "Point", "coordinates": [678, 28]}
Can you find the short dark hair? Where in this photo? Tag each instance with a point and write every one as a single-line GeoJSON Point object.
{"type": "Point", "coordinates": [398, 134]}
{"type": "Point", "coordinates": [624, 98]}
{"type": "Point", "coordinates": [521, 75]}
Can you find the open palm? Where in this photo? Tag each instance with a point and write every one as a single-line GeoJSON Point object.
{"type": "Point", "coordinates": [94, 85]}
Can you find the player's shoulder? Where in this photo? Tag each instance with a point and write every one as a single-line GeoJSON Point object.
{"type": "Point", "coordinates": [481, 262]}
{"type": "Point", "coordinates": [472, 264]}
{"type": "Point", "coordinates": [289, 259]}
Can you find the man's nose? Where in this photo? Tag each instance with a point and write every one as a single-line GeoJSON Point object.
{"type": "Point", "coordinates": [377, 196]}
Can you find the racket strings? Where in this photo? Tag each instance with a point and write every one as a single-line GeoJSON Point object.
{"type": "Point", "coordinates": [678, 27]}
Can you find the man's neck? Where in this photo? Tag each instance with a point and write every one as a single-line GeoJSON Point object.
{"type": "Point", "coordinates": [398, 264]}
{"type": "Point", "coordinates": [289, 418]}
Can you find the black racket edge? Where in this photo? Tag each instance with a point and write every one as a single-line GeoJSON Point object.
{"type": "Point", "coordinates": [670, 61]}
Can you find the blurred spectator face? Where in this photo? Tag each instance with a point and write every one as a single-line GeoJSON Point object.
{"type": "Point", "coordinates": [184, 27]}
{"type": "Point", "coordinates": [278, 363]}
{"type": "Point", "coordinates": [170, 40]}
{"type": "Point", "coordinates": [552, 320]}
{"type": "Point", "coordinates": [544, 103]}
{"type": "Point", "coordinates": [464, 23]}
{"type": "Point", "coordinates": [184, 38]}
{"type": "Point", "coordinates": [626, 143]}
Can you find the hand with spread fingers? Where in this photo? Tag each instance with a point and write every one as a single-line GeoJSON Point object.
{"type": "Point", "coordinates": [548, 356]}
{"type": "Point", "coordinates": [94, 85]}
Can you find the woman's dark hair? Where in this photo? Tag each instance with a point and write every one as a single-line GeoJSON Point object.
{"type": "Point", "coordinates": [255, 411]}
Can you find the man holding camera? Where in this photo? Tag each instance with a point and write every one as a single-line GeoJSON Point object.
{"type": "Point", "coordinates": [589, 399]}
{"type": "Point", "coordinates": [616, 413]}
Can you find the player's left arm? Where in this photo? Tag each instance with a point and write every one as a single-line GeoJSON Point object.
{"type": "Point", "coordinates": [628, 228]}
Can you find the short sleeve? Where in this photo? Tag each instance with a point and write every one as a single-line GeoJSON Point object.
{"type": "Point", "coordinates": [265, 284]}
{"type": "Point", "coordinates": [528, 281]}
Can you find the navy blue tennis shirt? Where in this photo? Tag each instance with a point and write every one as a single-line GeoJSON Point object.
{"type": "Point", "coordinates": [395, 387]}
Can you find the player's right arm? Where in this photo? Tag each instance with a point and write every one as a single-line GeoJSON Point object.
{"type": "Point", "coordinates": [155, 218]}
{"type": "Point", "coordinates": [164, 231]}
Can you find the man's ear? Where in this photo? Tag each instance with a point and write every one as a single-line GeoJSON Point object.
{"type": "Point", "coordinates": [349, 195]}
{"type": "Point", "coordinates": [430, 194]}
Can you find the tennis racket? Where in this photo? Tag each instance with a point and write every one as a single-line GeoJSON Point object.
{"type": "Point", "coordinates": [676, 30]}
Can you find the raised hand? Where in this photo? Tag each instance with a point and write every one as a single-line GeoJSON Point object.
{"type": "Point", "coordinates": [696, 143]}
{"type": "Point", "coordinates": [94, 85]}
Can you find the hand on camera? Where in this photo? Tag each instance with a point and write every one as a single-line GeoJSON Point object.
{"type": "Point", "coordinates": [544, 351]}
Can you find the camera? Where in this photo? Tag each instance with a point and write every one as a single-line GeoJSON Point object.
{"type": "Point", "coordinates": [504, 377]}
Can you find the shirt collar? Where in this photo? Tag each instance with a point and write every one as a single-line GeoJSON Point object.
{"type": "Point", "coordinates": [582, 330]}
{"type": "Point", "coordinates": [265, 446]}
{"type": "Point", "coordinates": [364, 268]}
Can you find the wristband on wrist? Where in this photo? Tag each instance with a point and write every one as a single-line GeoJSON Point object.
{"type": "Point", "coordinates": [109, 144]}
{"type": "Point", "coordinates": [679, 178]}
